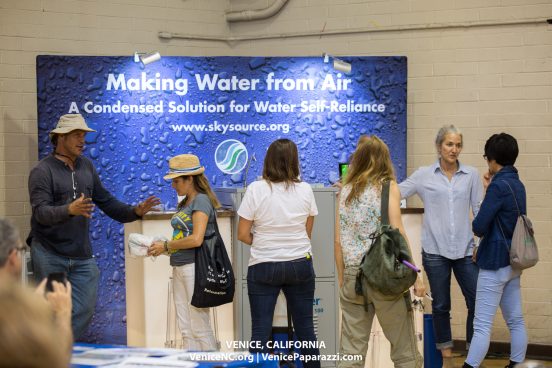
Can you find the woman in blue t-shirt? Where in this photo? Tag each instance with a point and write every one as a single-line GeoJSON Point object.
{"type": "Point", "coordinates": [194, 222]}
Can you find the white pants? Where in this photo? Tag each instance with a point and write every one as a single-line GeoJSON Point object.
{"type": "Point", "coordinates": [194, 323]}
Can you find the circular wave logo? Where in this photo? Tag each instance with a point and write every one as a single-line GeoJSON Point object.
{"type": "Point", "coordinates": [231, 156]}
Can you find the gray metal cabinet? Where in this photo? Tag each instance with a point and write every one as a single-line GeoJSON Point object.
{"type": "Point", "coordinates": [326, 300]}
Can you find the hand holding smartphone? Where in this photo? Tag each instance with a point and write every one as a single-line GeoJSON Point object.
{"type": "Point", "coordinates": [60, 277]}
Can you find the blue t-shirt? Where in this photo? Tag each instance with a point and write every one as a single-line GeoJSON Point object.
{"type": "Point", "coordinates": [183, 226]}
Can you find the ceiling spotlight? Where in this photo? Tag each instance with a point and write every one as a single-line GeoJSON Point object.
{"type": "Point", "coordinates": [338, 64]}
{"type": "Point", "coordinates": [146, 58]}
{"type": "Point", "coordinates": [342, 66]}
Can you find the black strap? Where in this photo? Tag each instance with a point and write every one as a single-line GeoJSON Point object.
{"type": "Point", "coordinates": [216, 220]}
{"type": "Point", "coordinates": [385, 203]}
{"type": "Point", "coordinates": [503, 236]}
{"type": "Point", "coordinates": [515, 199]}
{"type": "Point", "coordinates": [384, 221]}
{"type": "Point", "coordinates": [217, 232]}
{"type": "Point", "coordinates": [207, 237]}
{"type": "Point", "coordinates": [519, 215]}
{"type": "Point", "coordinates": [68, 157]}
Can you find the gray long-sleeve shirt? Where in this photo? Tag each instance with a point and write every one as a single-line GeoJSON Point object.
{"type": "Point", "coordinates": [52, 187]}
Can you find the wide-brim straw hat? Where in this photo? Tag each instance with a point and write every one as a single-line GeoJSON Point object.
{"type": "Point", "coordinates": [69, 122]}
{"type": "Point", "coordinates": [184, 165]}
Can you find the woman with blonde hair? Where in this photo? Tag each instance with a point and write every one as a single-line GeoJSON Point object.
{"type": "Point", "coordinates": [194, 222]}
{"type": "Point", "coordinates": [359, 215]}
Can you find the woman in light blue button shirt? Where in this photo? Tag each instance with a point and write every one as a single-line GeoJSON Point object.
{"type": "Point", "coordinates": [449, 190]}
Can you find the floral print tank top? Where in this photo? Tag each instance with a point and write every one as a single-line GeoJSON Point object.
{"type": "Point", "coordinates": [357, 221]}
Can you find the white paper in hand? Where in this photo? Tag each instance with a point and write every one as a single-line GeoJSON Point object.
{"type": "Point", "coordinates": [138, 244]}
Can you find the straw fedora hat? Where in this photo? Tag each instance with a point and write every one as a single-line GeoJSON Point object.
{"type": "Point", "coordinates": [69, 122]}
{"type": "Point", "coordinates": [183, 165]}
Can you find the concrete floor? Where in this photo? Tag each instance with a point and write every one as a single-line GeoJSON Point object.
{"type": "Point", "coordinates": [498, 362]}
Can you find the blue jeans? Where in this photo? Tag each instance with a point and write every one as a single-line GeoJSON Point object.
{"type": "Point", "coordinates": [296, 279]}
{"type": "Point", "coordinates": [83, 274]}
{"type": "Point", "coordinates": [494, 288]}
{"type": "Point", "coordinates": [438, 270]}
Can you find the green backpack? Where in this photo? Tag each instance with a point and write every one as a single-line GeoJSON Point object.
{"type": "Point", "coordinates": [382, 266]}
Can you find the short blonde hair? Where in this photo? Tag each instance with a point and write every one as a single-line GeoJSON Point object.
{"type": "Point", "coordinates": [28, 334]}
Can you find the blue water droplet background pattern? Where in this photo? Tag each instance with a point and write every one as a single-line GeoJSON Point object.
{"type": "Point", "coordinates": [130, 151]}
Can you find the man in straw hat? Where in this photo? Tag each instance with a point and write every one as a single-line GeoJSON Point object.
{"type": "Point", "coordinates": [64, 188]}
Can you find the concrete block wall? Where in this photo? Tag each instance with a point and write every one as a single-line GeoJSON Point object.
{"type": "Point", "coordinates": [483, 65]}
{"type": "Point", "coordinates": [33, 27]}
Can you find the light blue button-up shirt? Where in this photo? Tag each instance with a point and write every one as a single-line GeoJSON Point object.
{"type": "Point", "coordinates": [446, 228]}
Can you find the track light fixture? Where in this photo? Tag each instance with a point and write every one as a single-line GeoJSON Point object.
{"type": "Point", "coordinates": [338, 64]}
{"type": "Point", "coordinates": [146, 58]}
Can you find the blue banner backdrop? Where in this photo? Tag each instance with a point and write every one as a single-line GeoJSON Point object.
{"type": "Point", "coordinates": [226, 110]}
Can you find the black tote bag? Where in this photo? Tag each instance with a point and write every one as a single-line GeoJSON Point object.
{"type": "Point", "coordinates": [214, 282]}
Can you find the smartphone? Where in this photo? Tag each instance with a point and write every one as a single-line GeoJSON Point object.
{"type": "Point", "coordinates": [56, 276]}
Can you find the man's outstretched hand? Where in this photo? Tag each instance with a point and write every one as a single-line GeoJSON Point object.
{"type": "Point", "coordinates": [144, 207]}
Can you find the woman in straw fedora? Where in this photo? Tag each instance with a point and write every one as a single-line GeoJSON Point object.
{"type": "Point", "coordinates": [193, 223]}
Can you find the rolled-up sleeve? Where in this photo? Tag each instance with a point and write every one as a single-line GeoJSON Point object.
{"type": "Point", "coordinates": [409, 186]}
{"type": "Point", "coordinates": [476, 193]}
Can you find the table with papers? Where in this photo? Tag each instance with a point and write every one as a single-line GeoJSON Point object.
{"type": "Point", "coordinates": [108, 356]}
